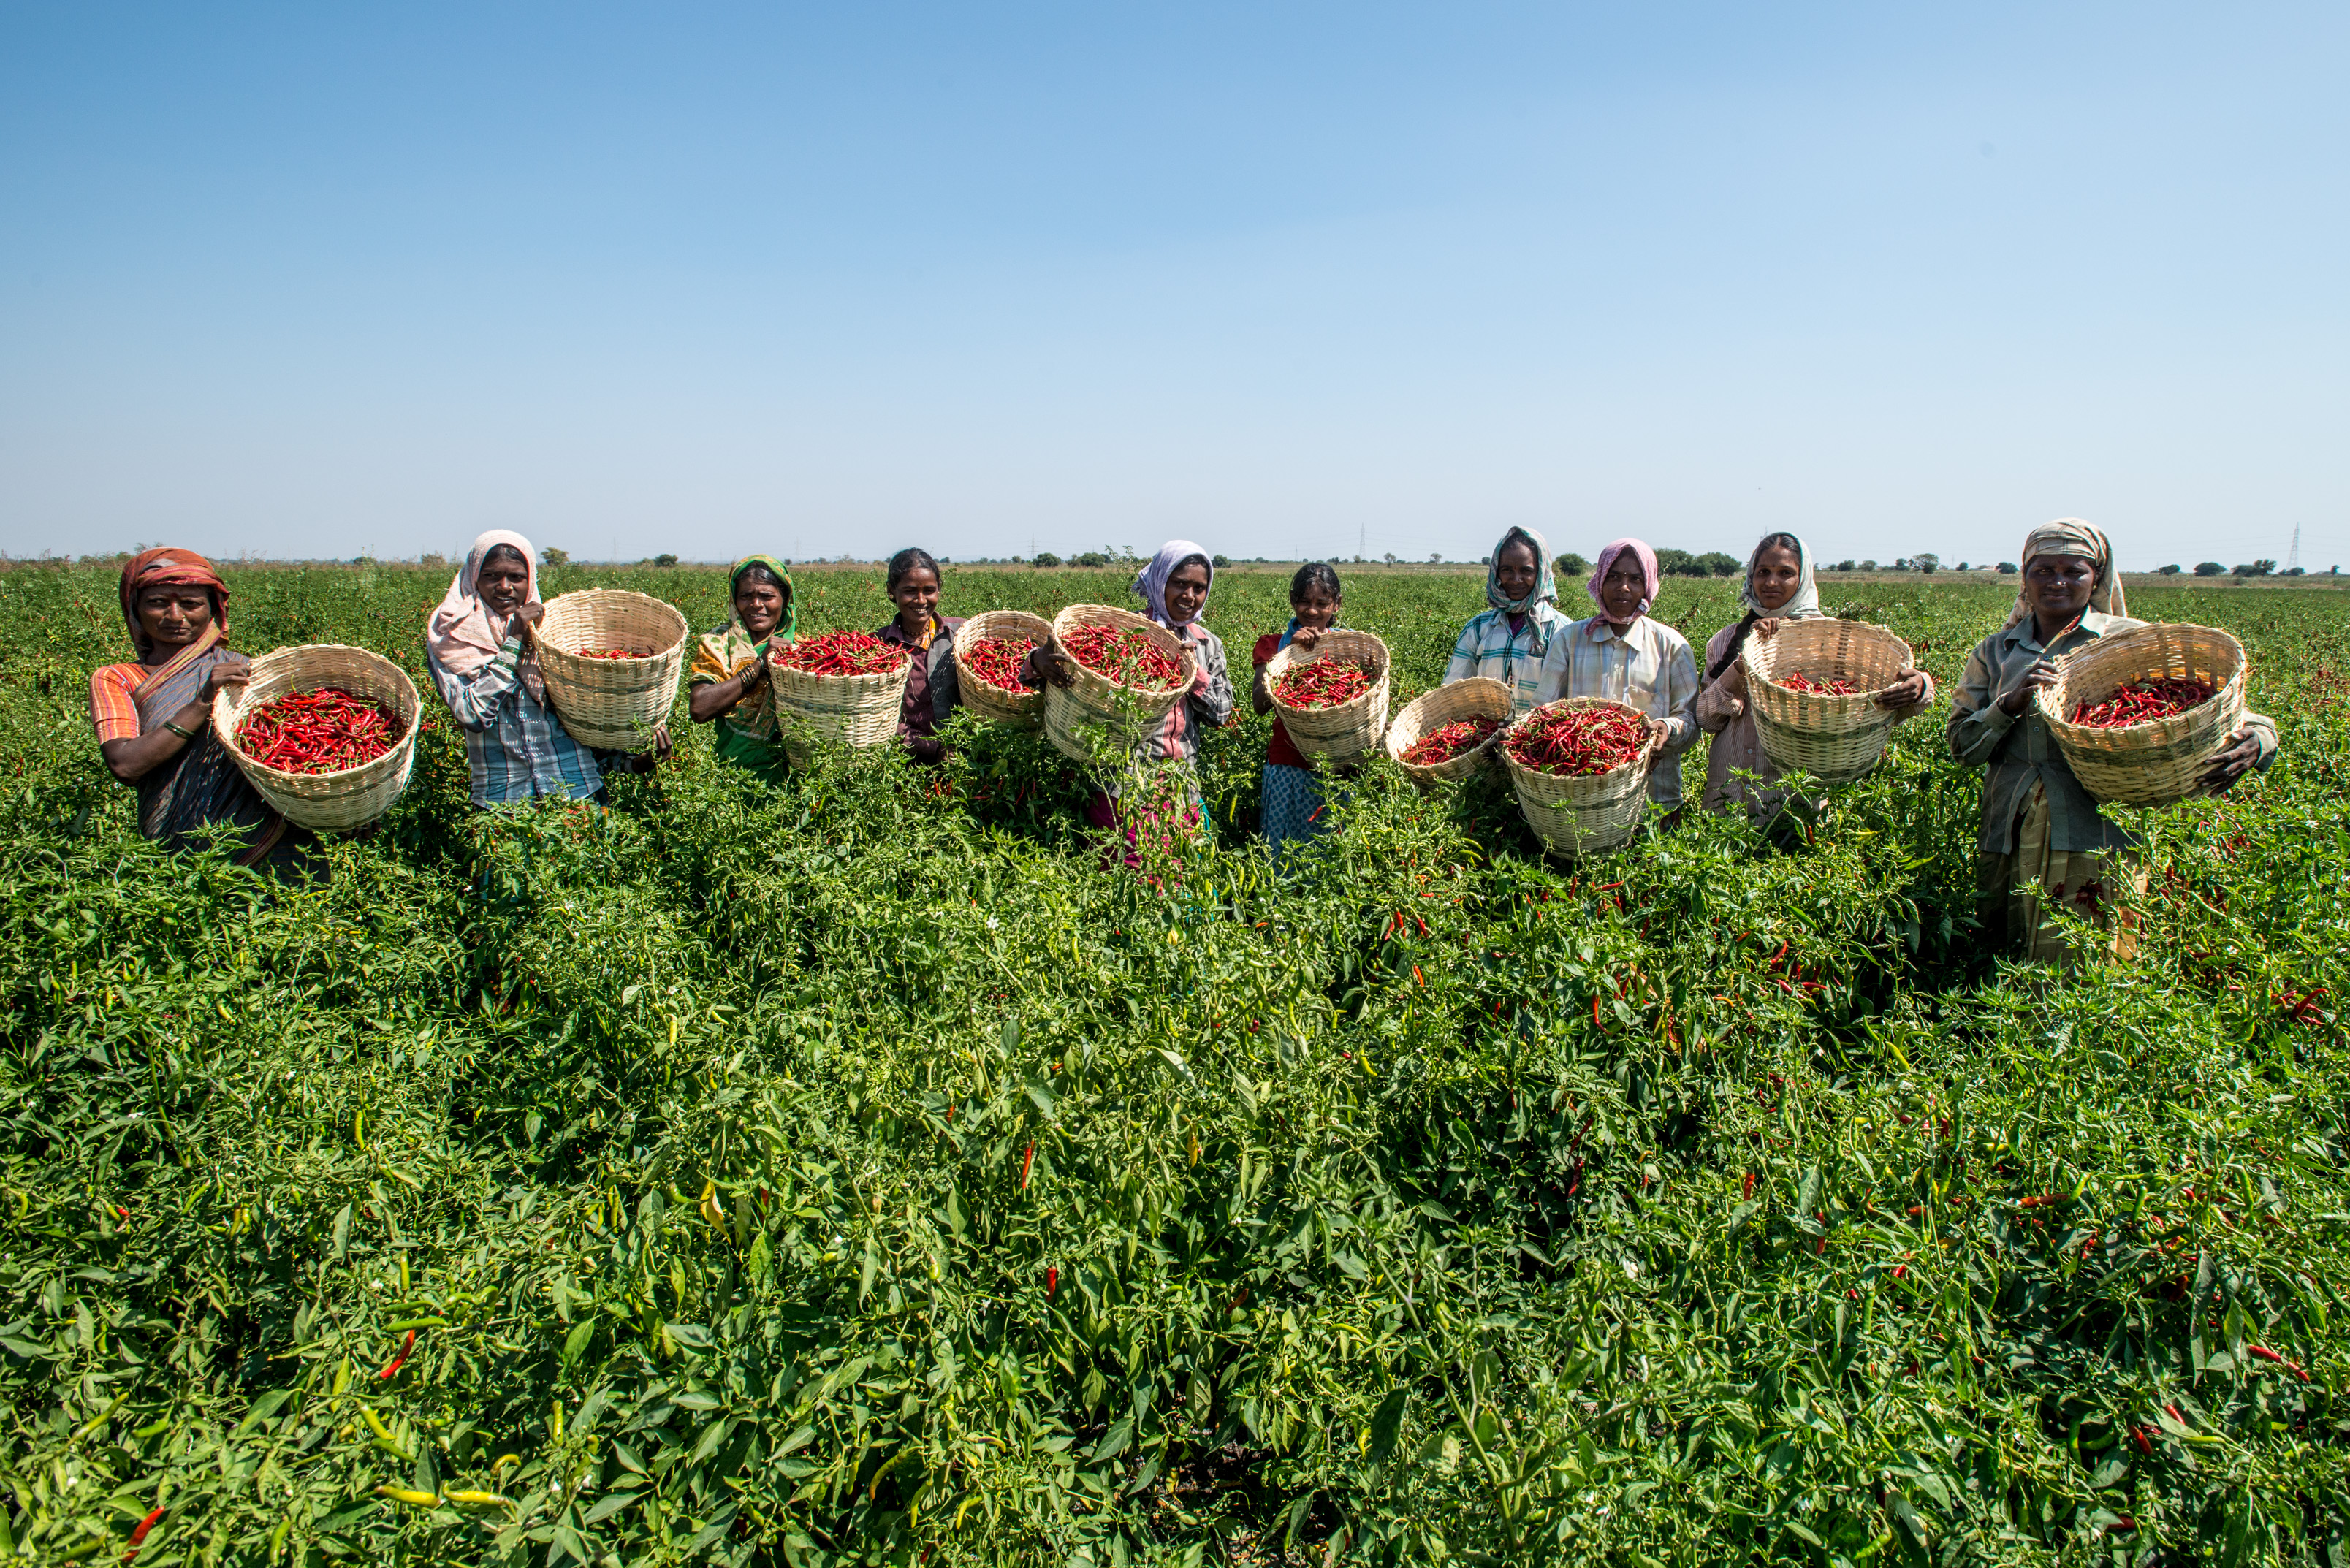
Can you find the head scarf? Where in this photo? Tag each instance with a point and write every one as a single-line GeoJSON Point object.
{"type": "Point", "coordinates": [1806, 602]}
{"type": "Point", "coordinates": [2071, 536]}
{"type": "Point", "coordinates": [1545, 588]}
{"type": "Point", "coordinates": [1152, 584]}
{"type": "Point", "coordinates": [462, 633]}
{"type": "Point", "coordinates": [149, 568]}
{"type": "Point", "coordinates": [783, 628]}
{"type": "Point", "coordinates": [1649, 579]}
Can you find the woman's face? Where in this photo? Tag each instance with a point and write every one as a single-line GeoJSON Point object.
{"type": "Point", "coordinates": [2057, 586]}
{"type": "Point", "coordinates": [1187, 592]}
{"type": "Point", "coordinates": [1776, 574]}
{"type": "Point", "coordinates": [504, 582]}
{"type": "Point", "coordinates": [916, 597]}
{"type": "Point", "coordinates": [1515, 570]}
{"type": "Point", "coordinates": [1318, 606]}
{"type": "Point", "coordinates": [173, 615]}
{"type": "Point", "coordinates": [760, 604]}
{"type": "Point", "coordinates": [1624, 586]}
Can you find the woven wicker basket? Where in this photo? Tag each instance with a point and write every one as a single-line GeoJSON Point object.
{"type": "Point", "coordinates": [611, 703]}
{"type": "Point", "coordinates": [1474, 698]}
{"type": "Point", "coordinates": [325, 803]}
{"type": "Point", "coordinates": [1584, 814]}
{"type": "Point", "coordinates": [1349, 729]}
{"type": "Point", "coordinates": [2159, 762]}
{"type": "Point", "coordinates": [1022, 709]}
{"type": "Point", "coordinates": [838, 709]}
{"type": "Point", "coordinates": [1094, 719]}
{"type": "Point", "coordinates": [1834, 739]}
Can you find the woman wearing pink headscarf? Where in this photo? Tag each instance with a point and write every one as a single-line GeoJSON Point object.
{"type": "Point", "coordinates": [1621, 654]}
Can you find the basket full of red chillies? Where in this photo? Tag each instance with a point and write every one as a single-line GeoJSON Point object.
{"type": "Point", "coordinates": [2139, 713]}
{"type": "Point", "coordinates": [1126, 671]}
{"type": "Point", "coordinates": [843, 688]}
{"type": "Point", "coordinates": [1449, 732]}
{"type": "Point", "coordinates": [991, 651]}
{"type": "Point", "coordinates": [1811, 686]}
{"type": "Point", "coordinates": [326, 733]}
{"type": "Point", "coordinates": [612, 660]}
{"type": "Point", "coordinates": [1332, 700]}
{"type": "Point", "coordinates": [1580, 768]}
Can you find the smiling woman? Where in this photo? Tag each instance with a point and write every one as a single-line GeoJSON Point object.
{"type": "Point", "coordinates": [153, 717]}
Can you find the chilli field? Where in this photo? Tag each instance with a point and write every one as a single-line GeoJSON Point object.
{"type": "Point", "coordinates": [854, 1172]}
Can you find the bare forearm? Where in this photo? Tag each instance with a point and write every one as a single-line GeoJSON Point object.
{"type": "Point", "coordinates": [133, 757]}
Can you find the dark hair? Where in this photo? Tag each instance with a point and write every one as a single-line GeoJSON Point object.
{"type": "Point", "coordinates": [1746, 622]}
{"type": "Point", "coordinates": [1190, 560]}
{"type": "Point", "coordinates": [909, 560]}
{"type": "Point", "coordinates": [1314, 575]}
{"type": "Point", "coordinates": [495, 551]}
{"type": "Point", "coordinates": [760, 571]}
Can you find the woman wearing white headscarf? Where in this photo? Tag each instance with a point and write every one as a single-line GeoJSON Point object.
{"type": "Point", "coordinates": [1174, 591]}
{"type": "Point", "coordinates": [1779, 586]}
{"type": "Point", "coordinates": [480, 649]}
{"type": "Point", "coordinates": [1507, 640]}
{"type": "Point", "coordinates": [2042, 838]}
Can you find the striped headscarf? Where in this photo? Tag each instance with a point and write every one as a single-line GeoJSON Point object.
{"type": "Point", "coordinates": [166, 564]}
{"type": "Point", "coordinates": [2071, 536]}
{"type": "Point", "coordinates": [1545, 588]}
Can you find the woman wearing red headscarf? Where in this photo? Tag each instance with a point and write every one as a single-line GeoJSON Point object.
{"type": "Point", "coordinates": [153, 718]}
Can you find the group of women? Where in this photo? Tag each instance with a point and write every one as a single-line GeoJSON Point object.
{"type": "Point", "coordinates": [2043, 840]}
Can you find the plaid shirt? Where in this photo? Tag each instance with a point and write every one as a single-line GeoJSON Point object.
{"type": "Point", "coordinates": [515, 749]}
{"type": "Point", "coordinates": [1648, 666]}
{"type": "Point", "coordinates": [1489, 648]}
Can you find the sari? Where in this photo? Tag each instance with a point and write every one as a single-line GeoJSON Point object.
{"type": "Point", "coordinates": [747, 734]}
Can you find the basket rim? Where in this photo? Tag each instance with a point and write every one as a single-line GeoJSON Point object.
{"type": "Point", "coordinates": [1648, 746]}
{"type": "Point", "coordinates": [2053, 700]}
{"type": "Point", "coordinates": [1406, 721]}
{"type": "Point", "coordinates": [1284, 660]}
{"type": "Point", "coordinates": [237, 710]}
{"type": "Point", "coordinates": [979, 627]}
{"type": "Point", "coordinates": [680, 630]}
{"type": "Point", "coordinates": [1089, 615]}
{"type": "Point", "coordinates": [1753, 656]}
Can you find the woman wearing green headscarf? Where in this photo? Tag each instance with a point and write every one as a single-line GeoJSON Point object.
{"type": "Point", "coordinates": [728, 682]}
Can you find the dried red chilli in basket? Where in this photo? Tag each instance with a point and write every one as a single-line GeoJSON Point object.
{"type": "Point", "coordinates": [1129, 658]}
{"type": "Point", "coordinates": [839, 653]}
{"type": "Point", "coordinates": [2142, 702]}
{"type": "Point", "coordinates": [998, 661]}
{"type": "Point", "coordinates": [1829, 686]}
{"type": "Point", "coordinates": [611, 653]}
{"type": "Point", "coordinates": [1443, 744]}
{"type": "Point", "coordinates": [324, 732]}
{"type": "Point", "coordinates": [1582, 741]}
{"type": "Point", "coordinates": [1324, 683]}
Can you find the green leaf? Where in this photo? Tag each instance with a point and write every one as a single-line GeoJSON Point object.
{"type": "Point", "coordinates": [1386, 1424]}
{"type": "Point", "coordinates": [1113, 1441]}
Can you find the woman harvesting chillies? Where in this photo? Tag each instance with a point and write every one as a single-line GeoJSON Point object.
{"type": "Point", "coordinates": [933, 688]}
{"type": "Point", "coordinates": [481, 648]}
{"type": "Point", "coordinates": [153, 716]}
{"type": "Point", "coordinates": [1623, 654]}
{"type": "Point", "coordinates": [1779, 587]}
{"type": "Point", "coordinates": [1293, 807]}
{"type": "Point", "coordinates": [2043, 838]}
{"type": "Point", "coordinates": [728, 684]}
{"type": "Point", "coordinates": [1508, 640]}
{"type": "Point", "coordinates": [1174, 590]}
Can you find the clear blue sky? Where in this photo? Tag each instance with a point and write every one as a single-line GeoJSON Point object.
{"type": "Point", "coordinates": [316, 280]}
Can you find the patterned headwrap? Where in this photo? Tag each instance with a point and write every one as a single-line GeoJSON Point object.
{"type": "Point", "coordinates": [1151, 585]}
{"type": "Point", "coordinates": [784, 631]}
{"type": "Point", "coordinates": [1650, 579]}
{"type": "Point", "coordinates": [149, 568]}
{"type": "Point", "coordinates": [462, 633]}
{"type": "Point", "coordinates": [1545, 588]}
{"type": "Point", "coordinates": [2071, 536]}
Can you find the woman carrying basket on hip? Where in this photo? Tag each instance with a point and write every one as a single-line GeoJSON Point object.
{"type": "Point", "coordinates": [2042, 838]}
{"type": "Point", "coordinates": [153, 717]}
{"type": "Point", "coordinates": [727, 685]}
{"type": "Point", "coordinates": [1779, 587]}
{"type": "Point", "coordinates": [1174, 591]}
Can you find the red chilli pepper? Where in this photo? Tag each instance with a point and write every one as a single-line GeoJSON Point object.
{"type": "Point", "coordinates": [1823, 686]}
{"type": "Point", "coordinates": [1581, 742]}
{"type": "Point", "coordinates": [1027, 1159]}
{"type": "Point", "coordinates": [1129, 657]}
{"type": "Point", "coordinates": [1324, 683]}
{"type": "Point", "coordinates": [1748, 1192]}
{"type": "Point", "coordinates": [396, 1362]}
{"type": "Point", "coordinates": [998, 662]}
{"type": "Point", "coordinates": [139, 1534]}
{"type": "Point", "coordinates": [1442, 745]}
{"type": "Point", "coordinates": [324, 732]}
{"type": "Point", "coordinates": [2265, 1354]}
{"type": "Point", "coordinates": [839, 653]}
{"type": "Point", "coordinates": [2142, 702]}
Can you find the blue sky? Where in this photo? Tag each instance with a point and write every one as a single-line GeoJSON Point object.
{"type": "Point", "coordinates": [320, 280]}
